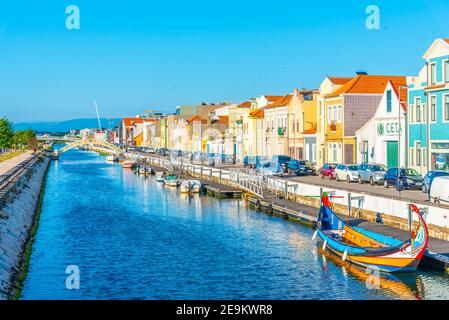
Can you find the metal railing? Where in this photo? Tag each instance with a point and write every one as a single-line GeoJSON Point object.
{"type": "Point", "coordinates": [12, 174]}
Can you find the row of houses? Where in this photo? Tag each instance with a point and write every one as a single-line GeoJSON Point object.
{"type": "Point", "coordinates": [391, 120]}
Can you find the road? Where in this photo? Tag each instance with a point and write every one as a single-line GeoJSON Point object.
{"type": "Point", "coordinates": [378, 190]}
{"type": "Point", "coordinates": [7, 165]}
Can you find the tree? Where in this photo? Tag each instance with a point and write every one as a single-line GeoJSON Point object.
{"type": "Point", "coordinates": [6, 133]}
{"type": "Point", "coordinates": [21, 138]}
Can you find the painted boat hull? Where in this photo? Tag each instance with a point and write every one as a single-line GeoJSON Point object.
{"type": "Point", "coordinates": [368, 249]}
{"type": "Point", "coordinates": [387, 263]}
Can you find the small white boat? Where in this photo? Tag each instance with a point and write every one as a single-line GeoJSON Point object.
{"type": "Point", "coordinates": [190, 186]}
{"type": "Point", "coordinates": [160, 176]}
{"type": "Point", "coordinates": [171, 180]}
{"type": "Point", "coordinates": [112, 158]}
{"type": "Point", "coordinates": [129, 164]}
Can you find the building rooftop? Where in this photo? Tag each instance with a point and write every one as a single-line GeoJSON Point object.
{"type": "Point", "coordinates": [369, 84]}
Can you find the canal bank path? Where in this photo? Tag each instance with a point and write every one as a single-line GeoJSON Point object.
{"type": "Point", "coordinates": [9, 164]}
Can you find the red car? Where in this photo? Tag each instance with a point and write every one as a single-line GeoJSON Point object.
{"type": "Point", "coordinates": [328, 170]}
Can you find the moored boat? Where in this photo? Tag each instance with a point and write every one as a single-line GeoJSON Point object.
{"type": "Point", "coordinates": [160, 176]}
{"type": "Point", "coordinates": [368, 249]}
{"type": "Point", "coordinates": [111, 158]}
{"type": "Point", "coordinates": [190, 186]}
{"type": "Point", "coordinates": [129, 164]}
{"type": "Point", "coordinates": [171, 180]}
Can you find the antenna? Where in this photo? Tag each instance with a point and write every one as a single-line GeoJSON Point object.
{"type": "Point", "coordinates": [98, 115]}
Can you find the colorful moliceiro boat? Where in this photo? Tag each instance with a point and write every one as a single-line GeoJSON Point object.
{"type": "Point", "coordinates": [368, 249]}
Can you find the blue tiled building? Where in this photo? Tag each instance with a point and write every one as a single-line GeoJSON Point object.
{"type": "Point", "coordinates": [428, 111]}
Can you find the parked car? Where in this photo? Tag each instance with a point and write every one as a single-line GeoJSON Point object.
{"type": "Point", "coordinates": [403, 178]}
{"type": "Point", "coordinates": [163, 152]}
{"type": "Point", "coordinates": [348, 172]}
{"type": "Point", "coordinates": [300, 167]}
{"type": "Point", "coordinates": [328, 170]}
{"type": "Point", "coordinates": [439, 192]}
{"type": "Point", "coordinates": [429, 177]}
{"type": "Point", "coordinates": [372, 173]}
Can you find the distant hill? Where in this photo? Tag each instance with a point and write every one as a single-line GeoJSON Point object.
{"type": "Point", "coordinates": [65, 126]}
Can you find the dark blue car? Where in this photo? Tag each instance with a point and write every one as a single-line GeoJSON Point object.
{"type": "Point", "coordinates": [301, 167]}
{"type": "Point", "coordinates": [429, 177]}
{"type": "Point", "coordinates": [403, 178]}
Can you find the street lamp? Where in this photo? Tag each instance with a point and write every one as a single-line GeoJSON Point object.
{"type": "Point", "coordinates": [399, 139]}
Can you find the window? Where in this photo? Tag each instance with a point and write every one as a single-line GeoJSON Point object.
{"type": "Point", "coordinates": [365, 151]}
{"type": "Point", "coordinates": [339, 117]}
{"type": "Point", "coordinates": [412, 158]}
{"type": "Point", "coordinates": [412, 113]}
{"type": "Point", "coordinates": [433, 73]}
{"type": "Point", "coordinates": [424, 114]}
{"type": "Point", "coordinates": [418, 109]}
{"type": "Point", "coordinates": [446, 71]}
{"type": "Point", "coordinates": [433, 105]}
{"type": "Point", "coordinates": [389, 101]}
{"type": "Point", "coordinates": [329, 116]}
{"type": "Point", "coordinates": [424, 157]}
{"type": "Point", "coordinates": [335, 114]}
{"type": "Point", "coordinates": [446, 108]}
{"type": "Point", "coordinates": [418, 153]}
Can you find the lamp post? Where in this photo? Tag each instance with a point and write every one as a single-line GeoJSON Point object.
{"type": "Point", "coordinates": [399, 139]}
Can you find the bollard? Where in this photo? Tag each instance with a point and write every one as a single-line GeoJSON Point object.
{"type": "Point", "coordinates": [349, 203]}
{"type": "Point", "coordinates": [286, 189]}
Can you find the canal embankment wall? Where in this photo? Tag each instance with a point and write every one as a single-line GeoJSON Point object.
{"type": "Point", "coordinates": [19, 203]}
{"type": "Point", "coordinates": [390, 211]}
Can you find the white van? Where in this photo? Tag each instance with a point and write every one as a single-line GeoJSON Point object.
{"type": "Point", "coordinates": [439, 191]}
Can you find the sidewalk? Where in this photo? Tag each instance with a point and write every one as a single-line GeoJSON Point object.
{"type": "Point", "coordinates": [7, 165]}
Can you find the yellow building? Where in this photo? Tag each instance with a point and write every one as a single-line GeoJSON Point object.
{"type": "Point", "coordinates": [235, 129]}
{"type": "Point", "coordinates": [302, 116]}
{"type": "Point", "coordinates": [329, 85]}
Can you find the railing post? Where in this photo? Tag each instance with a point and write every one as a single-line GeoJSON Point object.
{"type": "Point", "coordinates": [349, 203]}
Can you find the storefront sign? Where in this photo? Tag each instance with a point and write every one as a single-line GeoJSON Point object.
{"type": "Point", "coordinates": [388, 128]}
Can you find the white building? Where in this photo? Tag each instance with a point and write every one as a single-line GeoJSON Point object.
{"type": "Point", "coordinates": [383, 138]}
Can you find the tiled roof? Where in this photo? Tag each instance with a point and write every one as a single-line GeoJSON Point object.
{"type": "Point", "coordinates": [403, 97]}
{"type": "Point", "coordinates": [447, 40]}
{"type": "Point", "coordinates": [129, 122]}
{"type": "Point", "coordinates": [222, 120]}
{"type": "Point", "coordinates": [339, 80]}
{"type": "Point", "coordinates": [281, 102]}
{"type": "Point", "coordinates": [246, 104]}
{"type": "Point", "coordinates": [367, 84]}
{"type": "Point", "coordinates": [436, 86]}
{"type": "Point", "coordinates": [273, 98]}
{"type": "Point", "coordinates": [257, 114]}
{"type": "Point", "coordinates": [309, 131]}
{"type": "Point", "coordinates": [197, 118]}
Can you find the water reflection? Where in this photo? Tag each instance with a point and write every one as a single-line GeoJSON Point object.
{"type": "Point", "coordinates": [401, 286]}
{"type": "Point", "coordinates": [132, 237]}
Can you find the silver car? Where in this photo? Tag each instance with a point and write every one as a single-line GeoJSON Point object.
{"type": "Point", "coordinates": [372, 173]}
{"type": "Point", "coordinates": [347, 172]}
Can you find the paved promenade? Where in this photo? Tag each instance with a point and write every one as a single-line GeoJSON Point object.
{"type": "Point", "coordinates": [7, 165]}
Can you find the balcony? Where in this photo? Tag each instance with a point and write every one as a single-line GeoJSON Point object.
{"type": "Point", "coordinates": [281, 131]}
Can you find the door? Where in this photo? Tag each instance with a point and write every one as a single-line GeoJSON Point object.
{"type": "Point", "coordinates": [392, 154]}
{"type": "Point", "coordinates": [349, 153]}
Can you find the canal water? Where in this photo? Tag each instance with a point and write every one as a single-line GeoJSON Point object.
{"type": "Point", "coordinates": [133, 238]}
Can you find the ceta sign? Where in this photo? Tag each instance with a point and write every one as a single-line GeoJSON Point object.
{"type": "Point", "coordinates": [388, 128]}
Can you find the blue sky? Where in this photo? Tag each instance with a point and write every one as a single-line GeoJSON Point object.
{"type": "Point", "coordinates": [131, 55]}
